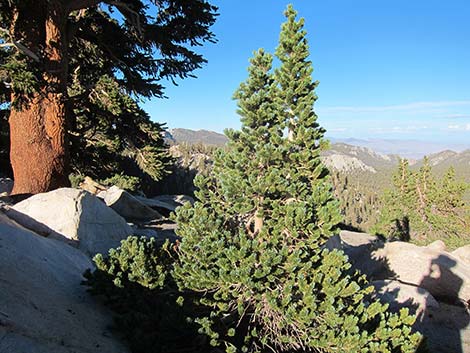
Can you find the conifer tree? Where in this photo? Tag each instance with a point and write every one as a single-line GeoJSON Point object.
{"type": "Point", "coordinates": [252, 245]}
{"type": "Point", "coordinates": [65, 64]}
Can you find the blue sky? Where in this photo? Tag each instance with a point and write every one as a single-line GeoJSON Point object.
{"type": "Point", "coordinates": [387, 69]}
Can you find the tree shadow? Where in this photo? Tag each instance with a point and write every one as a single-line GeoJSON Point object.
{"type": "Point", "coordinates": [24, 221]}
{"type": "Point", "coordinates": [360, 254]}
{"type": "Point", "coordinates": [150, 320]}
{"type": "Point", "coordinates": [402, 229]}
{"type": "Point", "coordinates": [350, 227]}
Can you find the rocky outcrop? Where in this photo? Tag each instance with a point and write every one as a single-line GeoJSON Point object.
{"type": "Point", "coordinates": [76, 216]}
{"type": "Point", "coordinates": [128, 206]}
{"type": "Point", "coordinates": [344, 163]}
{"type": "Point", "coordinates": [439, 272]}
{"type": "Point", "coordinates": [431, 267]}
{"type": "Point", "coordinates": [438, 245]}
{"type": "Point", "coordinates": [431, 282]}
{"type": "Point", "coordinates": [447, 328]}
{"type": "Point", "coordinates": [43, 306]}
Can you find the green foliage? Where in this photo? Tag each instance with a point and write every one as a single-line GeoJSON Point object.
{"type": "Point", "coordinates": [76, 180]}
{"type": "Point", "coordinates": [423, 208]}
{"type": "Point", "coordinates": [135, 281]}
{"type": "Point", "coordinates": [190, 160]}
{"type": "Point", "coordinates": [123, 181]}
{"type": "Point", "coordinates": [252, 245]}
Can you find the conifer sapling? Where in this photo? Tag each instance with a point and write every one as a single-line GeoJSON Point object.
{"type": "Point", "coordinates": [253, 243]}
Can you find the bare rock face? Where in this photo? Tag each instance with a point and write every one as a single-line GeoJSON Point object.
{"type": "Point", "coordinates": [432, 268]}
{"type": "Point", "coordinates": [346, 163]}
{"type": "Point", "coordinates": [463, 254]}
{"type": "Point", "coordinates": [431, 282]}
{"type": "Point", "coordinates": [439, 272]}
{"type": "Point", "coordinates": [398, 294]}
{"type": "Point", "coordinates": [76, 216]}
{"type": "Point", "coordinates": [43, 306]}
{"type": "Point", "coordinates": [128, 206]}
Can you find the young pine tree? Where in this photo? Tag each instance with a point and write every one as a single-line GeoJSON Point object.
{"type": "Point", "coordinates": [252, 245]}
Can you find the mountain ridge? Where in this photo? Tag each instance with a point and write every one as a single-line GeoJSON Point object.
{"type": "Point", "coordinates": [352, 158]}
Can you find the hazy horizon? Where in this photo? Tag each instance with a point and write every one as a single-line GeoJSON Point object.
{"type": "Point", "coordinates": [411, 149]}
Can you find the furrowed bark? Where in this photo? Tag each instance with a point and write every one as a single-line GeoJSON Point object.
{"type": "Point", "coordinates": [38, 128]}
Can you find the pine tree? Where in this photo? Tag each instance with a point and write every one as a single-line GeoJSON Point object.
{"type": "Point", "coordinates": [66, 65]}
{"type": "Point", "coordinates": [449, 214]}
{"type": "Point", "coordinates": [252, 245]}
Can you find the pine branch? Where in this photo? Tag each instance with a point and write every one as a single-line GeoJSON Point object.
{"type": "Point", "coordinates": [123, 8]}
{"type": "Point", "coordinates": [19, 46]}
{"type": "Point", "coordinates": [82, 4]}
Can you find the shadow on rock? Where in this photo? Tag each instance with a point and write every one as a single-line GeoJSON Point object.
{"type": "Point", "coordinates": [447, 326]}
{"type": "Point", "coordinates": [431, 282]}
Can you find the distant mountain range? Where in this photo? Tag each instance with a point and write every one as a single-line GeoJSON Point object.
{"type": "Point", "coordinates": [193, 137]}
{"type": "Point", "coordinates": [410, 149]}
{"type": "Point", "coordinates": [355, 156]}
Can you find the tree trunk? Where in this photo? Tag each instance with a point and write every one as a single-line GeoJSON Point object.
{"type": "Point", "coordinates": [38, 154]}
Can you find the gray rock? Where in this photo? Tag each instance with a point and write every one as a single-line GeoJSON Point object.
{"type": "Point", "coordinates": [29, 223]}
{"type": "Point", "coordinates": [166, 202]}
{"type": "Point", "coordinates": [5, 220]}
{"type": "Point", "coordinates": [178, 199]}
{"type": "Point", "coordinates": [347, 239]}
{"type": "Point", "coordinates": [43, 306]}
{"type": "Point", "coordinates": [128, 206]}
{"type": "Point", "coordinates": [447, 328]}
{"type": "Point", "coordinates": [463, 254]}
{"type": "Point", "coordinates": [359, 248]}
{"type": "Point", "coordinates": [77, 216]}
{"type": "Point", "coordinates": [398, 295]}
{"type": "Point", "coordinates": [6, 185]}
{"type": "Point", "coordinates": [157, 204]}
{"type": "Point", "coordinates": [438, 245]}
{"type": "Point", "coordinates": [439, 272]}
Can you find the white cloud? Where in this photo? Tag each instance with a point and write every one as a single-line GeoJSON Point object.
{"type": "Point", "coordinates": [415, 107]}
{"type": "Point", "coordinates": [398, 129]}
{"type": "Point", "coordinates": [338, 129]}
{"type": "Point", "coordinates": [454, 116]}
{"type": "Point", "coordinates": [457, 127]}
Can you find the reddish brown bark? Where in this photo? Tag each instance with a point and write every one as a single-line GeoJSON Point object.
{"type": "Point", "coordinates": [38, 128]}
